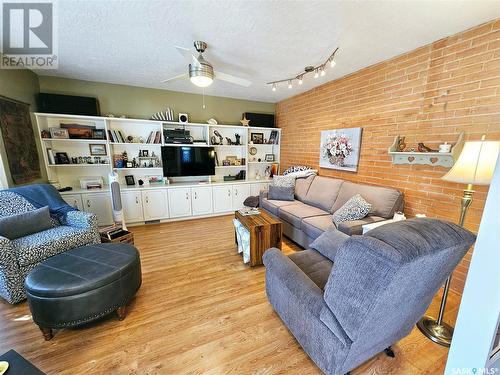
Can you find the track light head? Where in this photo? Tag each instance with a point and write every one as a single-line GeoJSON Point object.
{"type": "Point", "coordinates": [274, 87]}
{"type": "Point", "coordinates": [289, 83]}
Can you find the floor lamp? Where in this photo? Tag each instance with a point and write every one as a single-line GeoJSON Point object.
{"type": "Point", "coordinates": [474, 166]}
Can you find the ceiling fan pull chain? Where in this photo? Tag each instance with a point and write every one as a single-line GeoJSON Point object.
{"type": "Point", "coordinates": [203, 98]}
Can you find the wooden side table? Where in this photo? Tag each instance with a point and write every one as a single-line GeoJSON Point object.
{"type": "Point", "coordinates": [265, 232]}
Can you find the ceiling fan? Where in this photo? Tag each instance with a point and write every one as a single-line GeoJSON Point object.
{"type": "Point", "coordinates": [200, 72]}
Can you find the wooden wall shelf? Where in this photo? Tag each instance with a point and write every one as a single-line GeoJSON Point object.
{"type": "Point", "coordinates": [442, 159]}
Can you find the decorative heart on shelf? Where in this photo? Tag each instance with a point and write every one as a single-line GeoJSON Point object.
{"type": "Point", "coordinates": [411, 158]}
{"type": "Point", "coordinates": [433, 160]}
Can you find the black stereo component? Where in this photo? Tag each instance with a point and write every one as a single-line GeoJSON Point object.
{"type": "Point", "coordinates": [68, 104]}
{"type": "Point", "coordinates": [177, 136]}
{"type": "Point", "coordinates": [262, 120]}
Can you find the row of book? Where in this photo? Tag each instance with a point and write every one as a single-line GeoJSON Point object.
{"type": "Point", "coordinates": [154, 137]}
{"type": "Point", "coordinates": [116, 136]}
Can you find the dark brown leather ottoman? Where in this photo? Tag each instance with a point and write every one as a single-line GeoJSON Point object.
{"type": "Point", "coordinates": [82, 285]}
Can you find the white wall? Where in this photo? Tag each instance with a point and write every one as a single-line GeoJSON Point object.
{"type": "Point", "coordinates": [480, 308]}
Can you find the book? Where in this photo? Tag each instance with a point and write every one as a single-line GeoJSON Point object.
{"type": "Point", "coordinates": [247, 211]}
{"type": "Point", "coordinates": [50, 156]}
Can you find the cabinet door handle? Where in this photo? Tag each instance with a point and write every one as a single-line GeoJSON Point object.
{"type": "Point", "coordinates": [147, 199]}
{"type": "Point", "coordinates": [187, 195]}
{"type": "Point", "coordinates": [236, 192]}
{"type": "Point", "coordinates": [136, 200]}
{"type": "Point", "coordinates": [88, 203]}
{"type": "Point", "coordinates": [228, 192]}
{"type": "Point", "coordinates": [195, 195]}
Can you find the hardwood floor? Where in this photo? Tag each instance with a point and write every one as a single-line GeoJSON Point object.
{"type": "Point", "coordinates": [199, 311]}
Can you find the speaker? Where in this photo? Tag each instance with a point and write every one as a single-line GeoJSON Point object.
{"type": "Point", "coordinates": [68, 104]}
{"type": "Point", "coordinates": [262, 120]}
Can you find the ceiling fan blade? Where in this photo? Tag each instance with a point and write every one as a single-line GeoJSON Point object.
{"type": "Point", "coordinates": [232, 79]}
{"type": "Point", "coordinates": [187, 53]}
{"type": "Point", "coordinates": [176, 78]}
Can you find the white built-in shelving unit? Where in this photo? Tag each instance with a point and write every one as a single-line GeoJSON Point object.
{"type": "Point", "coordinates": [68, 174]}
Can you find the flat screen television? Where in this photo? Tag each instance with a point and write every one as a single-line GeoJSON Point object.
{"type": "Point", "coordinates": [179, 161]}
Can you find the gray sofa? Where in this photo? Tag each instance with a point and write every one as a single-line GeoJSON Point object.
{"type": "Point", "coordinates": [364, 293]}
{"type": "Point", "coordinates": [318, 197]}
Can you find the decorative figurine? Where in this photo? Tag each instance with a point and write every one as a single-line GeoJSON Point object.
{"type": "Point", "coordinates": [424, 148]}
{"type": "Point", "coordinates": [401, 144]}
{"type": "Point", "coordinates": [229, 141]}
{"type": "Point", "coordinates": [238, 140]}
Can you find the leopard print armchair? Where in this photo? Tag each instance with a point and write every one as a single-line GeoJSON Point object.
{"type": "Point", "coordinates": [21, 255]}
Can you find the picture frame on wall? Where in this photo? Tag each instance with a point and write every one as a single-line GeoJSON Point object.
{"type": "Point", "coordinates": [97, 149]}
{"type": "Point", "coordinates": [340, 148]}
{"type": "Point", "coordinates": [59, 133]}
{"type": "Point", "coordinates": [257, 138]}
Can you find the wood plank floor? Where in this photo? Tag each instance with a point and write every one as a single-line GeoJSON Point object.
{"type": "Point", "coordinates": [199, 311]}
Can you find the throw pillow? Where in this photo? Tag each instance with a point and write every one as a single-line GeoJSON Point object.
{"type": "Point", "coordinates": [281, 193]}
{"type": "Point", "coordinates": [354, 209]}
{"type": "Point", "coordinates": [26, 223]}
{"type": "Point", "coordinates": [283, 181]}
{"type": "Point", "coordinates": [296, 168]}
{"type": "Point", "coordinates": [329, 242]}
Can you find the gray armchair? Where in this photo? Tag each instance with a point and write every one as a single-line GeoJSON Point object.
{"type": "Point", "coordinates": [366, 293]}
{"type": "Point", "coordinates": [21, 255]}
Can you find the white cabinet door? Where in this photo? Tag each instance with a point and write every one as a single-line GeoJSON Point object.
{"type": "Point", "coordinates": [222, 198]}
{"type": "Point", "coordinates": [257, 187]}
{"type": "Point", "coordinates": [155, 204]}
{"type": "Point", "coordinates": [132, 206]}
{"type": "Point", "coordinates": [180, 202]}
{"type": "Point", "coordinates": [201, 198]}
{"type": "Point", "coordinates": [74, 200]}
{"type": "Point", "coordinates": [99, 204]}
{"type": "Point", "coordinates": [240, 193]}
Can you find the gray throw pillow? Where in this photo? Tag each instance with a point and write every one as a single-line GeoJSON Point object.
{"type": "Point", "coordinates": [354, 209]}
{"type": "Point", "coordinates": [281, 193]}
{"type": "Point", "coordinates": [329, 242]}
{"type": "Point", "coordinates": [26, 223]}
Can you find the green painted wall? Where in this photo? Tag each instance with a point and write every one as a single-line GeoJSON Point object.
{"type": "Point", "coordinates": [20, 85]}
{"type": "Point", "coordinates": [142, 102]}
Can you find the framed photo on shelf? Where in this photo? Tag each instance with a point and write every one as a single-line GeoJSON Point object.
{"type": "Point", "coordinates": [269, 157]}
{"type": "Point", "coordinates": [97, 149]}
{"type": "Point", "coordinates": [130, 180]}
{"type": "Point", "coordinates": [62, 158]}
{"type": "Point", "coordinates": [98, 134]}
{"type": "Point", "coordinates": [58, 133]}
{"type": "Point", "coordinates": [273, 138]}
{"type": "Point", "coordinates": [257, 138]}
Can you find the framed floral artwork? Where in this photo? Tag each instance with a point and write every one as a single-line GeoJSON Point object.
{"type": "Point", "coordinates": [340, 148]}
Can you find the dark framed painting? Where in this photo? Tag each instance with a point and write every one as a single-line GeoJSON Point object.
{"type": "Point", "coordinates": [19, 141]}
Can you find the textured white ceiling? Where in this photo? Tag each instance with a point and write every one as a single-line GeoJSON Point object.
{"type": "Point", "coordinates": [132, 42]}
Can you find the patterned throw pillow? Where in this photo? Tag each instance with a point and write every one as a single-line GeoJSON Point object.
{"type": "Point", "coordinates": [296, 168]}
{"type": "Point", "coordinates": [282, 188]}
{"type": "Point", "coordinates": [283, 181]}
{"type": "Point", "coordinates": [354, 209]}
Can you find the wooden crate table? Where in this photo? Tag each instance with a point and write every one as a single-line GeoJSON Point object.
{"type": "Point", "coordinates": [123, 236]}
{"type": "Point", "coordinates": [265, 232]}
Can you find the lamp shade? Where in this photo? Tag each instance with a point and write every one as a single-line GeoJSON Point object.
{"type": "Point", "coordinates": [476, 163]}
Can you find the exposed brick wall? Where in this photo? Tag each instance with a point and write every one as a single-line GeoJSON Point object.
{"type": "Point", "coordinates": [429, 95]}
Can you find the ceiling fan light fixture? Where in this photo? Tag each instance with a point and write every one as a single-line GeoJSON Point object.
{"type": "Point", "coordinates": [201, 75]}
{"type": "Point", "coordinates": [201, 81]}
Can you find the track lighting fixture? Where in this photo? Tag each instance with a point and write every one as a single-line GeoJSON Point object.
{"type": "Point", "coordinates": [318, 70]}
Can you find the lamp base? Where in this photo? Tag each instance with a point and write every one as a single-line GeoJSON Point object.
{"type": "Point", "coordinates": [439, 333]}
